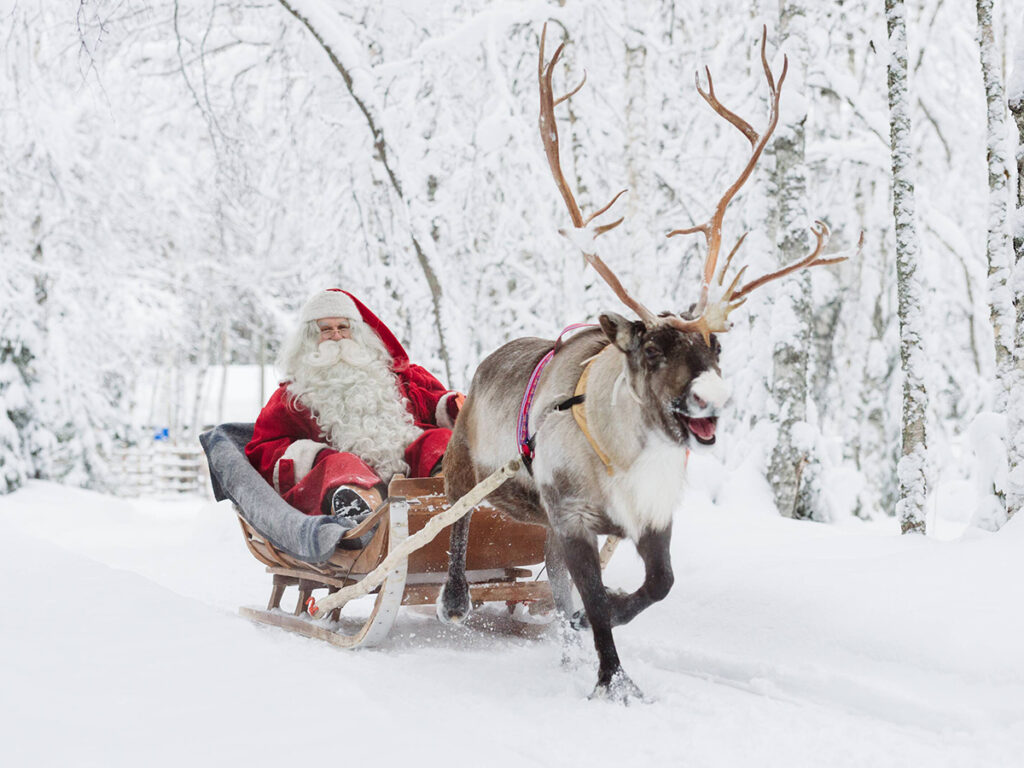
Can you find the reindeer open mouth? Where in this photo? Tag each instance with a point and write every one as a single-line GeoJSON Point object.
{"type": "Point", "coordinates": [702, 429]}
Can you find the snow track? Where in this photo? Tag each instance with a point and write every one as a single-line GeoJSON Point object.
{"type": "Point", "coordinates": [779, 646]}
{"type": "Point", "coordinates": [811, 684]}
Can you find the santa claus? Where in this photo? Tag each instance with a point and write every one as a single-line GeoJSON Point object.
{"type": "Point", "coordinates": [351, 413]}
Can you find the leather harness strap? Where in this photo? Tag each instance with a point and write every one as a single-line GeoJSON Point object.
{"type": "Point", "coordinates": [580, 415]}
{"type": "Point", "coordinates": [524, 439]}
{"type": "Point", "coordinates": [527, 441]}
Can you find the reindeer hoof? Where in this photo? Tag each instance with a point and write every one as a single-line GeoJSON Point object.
{"type": "Point", "coordinates": [574, 654]}
{"type": "Point", "coordinates": [620, 690]}
{"type": "Point", "coordinates": [453, 605]}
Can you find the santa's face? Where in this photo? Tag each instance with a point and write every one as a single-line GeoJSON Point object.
{"type": "Point", "coordinates": [336, 345]}
{"type": "Point", "coordinates": [332, 328]}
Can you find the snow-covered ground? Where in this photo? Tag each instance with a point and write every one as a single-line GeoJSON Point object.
{"type": "Point", "coordinates": [782, 644]}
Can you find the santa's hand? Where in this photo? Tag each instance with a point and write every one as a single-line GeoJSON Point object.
{"type": "Point", "coordinates": [448, 408]}
{"type": "Point", "coordinates": [454, 405]}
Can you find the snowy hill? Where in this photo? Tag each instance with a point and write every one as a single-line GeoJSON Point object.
{"type": "Point", "coordinates": [782, 644]}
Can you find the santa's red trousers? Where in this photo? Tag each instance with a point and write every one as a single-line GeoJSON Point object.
{"type": "Point", "coordinates": [333, 469]}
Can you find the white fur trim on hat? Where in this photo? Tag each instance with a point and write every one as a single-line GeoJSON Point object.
{"type": "Point", "coordinates": [328, 304]}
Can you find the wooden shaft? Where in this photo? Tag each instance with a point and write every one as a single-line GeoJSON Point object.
{"type": "Point", "coordinates": [610, 545]}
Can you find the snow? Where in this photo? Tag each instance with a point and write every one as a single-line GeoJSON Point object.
{"type": "Point", "coordinates": [176, 210]}
{"type": "Point", "coordinates": [782, 643]}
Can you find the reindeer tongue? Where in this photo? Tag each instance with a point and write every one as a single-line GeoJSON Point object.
{"type": "Point", "coordinates": [702, 428]}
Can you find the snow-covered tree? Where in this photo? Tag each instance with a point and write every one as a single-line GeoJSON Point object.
{"type": "Point", "coordinates": [196, 167]}
{"type": "Point", "coordinates": [913, 463]}
{"type": "Point", "coordinates": [18, 420]}
{"type": "Point", "coordinates": [999, 257]}
{"type": "Point", "coordinates": [793, 467]}
{"type": "Point", "coordinates": [1015, 414]}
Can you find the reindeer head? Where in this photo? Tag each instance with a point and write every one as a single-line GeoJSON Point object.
{"type": "Point", "coordinates": [669, 341]}
{"type": "Point", "coordinates": [674, 376]}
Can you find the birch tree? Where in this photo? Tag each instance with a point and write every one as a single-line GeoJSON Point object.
{"type": "Point", "coordinates": [998, 253]}
{"type": "Point", "coordinates": [791, 313]}
{"type": "Point", "coordinates": [1015, 425]}
{"type": "Point", "coordinates": [913, 462]}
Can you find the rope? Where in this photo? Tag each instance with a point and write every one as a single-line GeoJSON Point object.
{"type": "Point", "coordinates": [418, 540]}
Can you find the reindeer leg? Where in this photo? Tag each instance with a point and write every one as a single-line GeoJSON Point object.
{"type": "Point", "coordinates": [561, 591]}
{"type": "Point", "coordinates": [653, 548]}
{"type": "Point", "coordinates": [581, 556]}
{"type": "Point", "coordinates": [558, 578]}
{"type": "Point", "coordinates": [453, 604]}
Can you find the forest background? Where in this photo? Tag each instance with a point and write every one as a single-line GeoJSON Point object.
{"type": "Point", "coordinates": [178, 175]}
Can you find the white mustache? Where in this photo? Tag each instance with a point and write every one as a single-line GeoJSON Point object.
{"type": "Point", "coordinates": [331, 352]}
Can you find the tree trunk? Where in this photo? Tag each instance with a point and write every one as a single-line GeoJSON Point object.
{"type": "Point", "coordinates": [912, 464]}
{"type": "Point", "coordinates": [1015, 425]}
{"type": "Point", "coordinates": [791, 314]}
{"type": "Point", "coordinates": [998, 251]}
{"type": "Point", "coordinates": [381, 147]}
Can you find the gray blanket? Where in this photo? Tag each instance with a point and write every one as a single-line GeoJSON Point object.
{"type": "Point", "coordinates": [310, 538]}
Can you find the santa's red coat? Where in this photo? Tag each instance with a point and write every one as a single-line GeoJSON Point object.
{"type": "Point", "coordinates": [283, 422]}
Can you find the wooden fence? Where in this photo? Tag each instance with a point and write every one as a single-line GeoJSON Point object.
{"type": "Point", "coordinates": [161, 468]}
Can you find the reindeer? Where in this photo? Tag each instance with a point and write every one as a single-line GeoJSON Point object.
{"type": "Point", "coordinates": [616, 411]}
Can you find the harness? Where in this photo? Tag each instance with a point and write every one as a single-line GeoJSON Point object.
{"type": "Point", "coordinates": [581, 417]}
{"type": "Point", "coordinates": [527, 442]}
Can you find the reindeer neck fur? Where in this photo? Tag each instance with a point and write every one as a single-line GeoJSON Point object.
{"type": "Point", "coordinates": [650, 469]}
{"type": "Point", "coordinates": [617, 427]}
{"type": "Point", "coordinates": [640, 495]}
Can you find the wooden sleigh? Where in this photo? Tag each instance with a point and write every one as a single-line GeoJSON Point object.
{"type": "Point", "coordinates": [499, 556]}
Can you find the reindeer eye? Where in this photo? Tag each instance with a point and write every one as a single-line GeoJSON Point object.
{"type": "Point", "coordinates": [653, 354]}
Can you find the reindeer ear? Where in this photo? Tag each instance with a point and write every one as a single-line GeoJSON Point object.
{"type": "Point", "coordinates": [624, 334]}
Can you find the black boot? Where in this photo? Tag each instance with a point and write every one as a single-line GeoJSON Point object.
{"type": "Point", "coordinates": [348, 504]}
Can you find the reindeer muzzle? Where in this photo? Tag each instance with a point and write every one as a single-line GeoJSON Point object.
{"type": "Point", "coordinates": [697, 409]}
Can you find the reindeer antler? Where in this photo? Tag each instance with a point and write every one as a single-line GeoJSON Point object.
{"type": "Point", "coordinates": [549, 138]}
{"type": "Point", "coordinates": [713, 316]}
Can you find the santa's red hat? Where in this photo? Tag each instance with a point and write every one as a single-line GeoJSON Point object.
{"type": "Point", "coordinates": [335, 302]}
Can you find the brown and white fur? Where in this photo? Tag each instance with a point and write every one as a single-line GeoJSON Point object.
{"type": "Point", "coordinates": [653, 392]}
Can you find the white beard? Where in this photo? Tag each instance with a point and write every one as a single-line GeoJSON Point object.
{"type": "Point", "coordinates": [354, 397]}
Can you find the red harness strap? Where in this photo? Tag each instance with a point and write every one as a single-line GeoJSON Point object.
{"type": "Point", "coordinates": [523, 437]}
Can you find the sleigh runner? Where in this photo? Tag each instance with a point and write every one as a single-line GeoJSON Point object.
{"type": "Point", "coordinates": [310, 554]}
